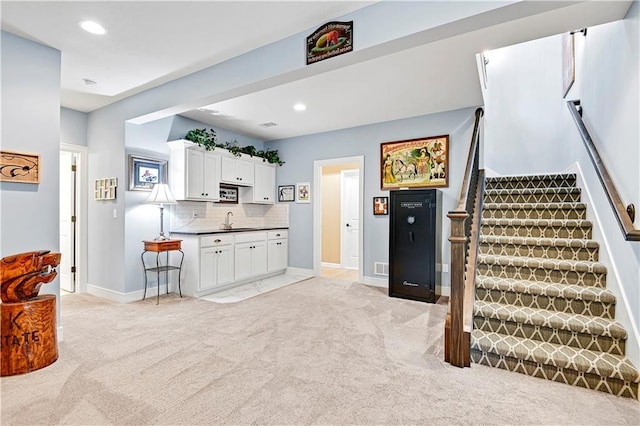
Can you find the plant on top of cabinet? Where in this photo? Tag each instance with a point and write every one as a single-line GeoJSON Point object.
{"type": "Point", "coordinates": [203, 137]}
{"type": "Point", "coordinates": [207, 139]}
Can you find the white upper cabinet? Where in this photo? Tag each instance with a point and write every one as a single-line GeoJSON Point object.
{"type": "Point", "coordinates": [194, 174]}
{"type": "Point", "coordinates": [236, 171]}
{"type": "Point", "coordinates": [264, 188]}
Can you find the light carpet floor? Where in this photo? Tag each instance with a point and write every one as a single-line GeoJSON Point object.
{"type": "Point", "coordinates": [316, 352]}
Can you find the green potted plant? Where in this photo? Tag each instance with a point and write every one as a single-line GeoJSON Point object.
{"type": "Point", "coordinates": [203, 137]}
{"type": "Point", "coordinates": [206, 138]}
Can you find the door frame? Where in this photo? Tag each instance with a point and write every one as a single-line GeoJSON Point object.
{"type": "Point", "coordinates": [317, 209]}
{"type": "Point", "coordinates": [343, 174]}
{"type": "Point", "coordinates": [82, 192]}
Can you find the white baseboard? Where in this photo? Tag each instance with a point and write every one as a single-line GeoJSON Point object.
{"type": "Point", "coordinates": [376, 282]}
{"type": "Point", "coordinates": [300, 271]}
{"type": "Point", "coordinates": [60, 334]}
{"type": "Point", "coordinates": [119, 297]}
{"type": "Point", "coordinates": [331, 265]}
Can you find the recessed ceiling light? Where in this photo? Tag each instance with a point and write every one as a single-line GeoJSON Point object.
{"type": "Point", "coordinates": [299, 106]}
{"type": "Point", "coordinates": [92, 27]}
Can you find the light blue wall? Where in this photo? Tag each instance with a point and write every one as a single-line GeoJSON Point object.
{"type": "Point", "coordinates": [29, 213]}
{"type": "Point", "coordinates": [299, 154]}
{"type": "Point", "coordinates": [73, 127]}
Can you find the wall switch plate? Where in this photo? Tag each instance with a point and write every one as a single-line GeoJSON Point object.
{"type": "Point", "coordinates": [115, 213]}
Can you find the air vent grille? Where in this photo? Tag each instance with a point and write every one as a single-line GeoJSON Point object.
{"type": "Point", "coordinates": [380, 268]}
{"type": "Point", "coordinates": [269, 124]}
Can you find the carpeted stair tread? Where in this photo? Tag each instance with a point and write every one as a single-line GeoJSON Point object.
{"type": "Point", "coordinates": [543, 263]}
{"type": "Point", "coordinates": [540, 288]}
{"type": "Point", "coordinates": [550, 242]}
{"type": "Point", "coordinates": [535, 206]}
{"type": "Point", "coordinates": [560, 356]}
{"type": "Point", "coordinates": [529, 181]}
{"type": "Point", "coordinates": [556, 320]}
{"type": "Point", "coordinates": [565, 223]}
{"type": "Point", "coordinates": [568, 210]}
{"type": "Point", "coordinates": [533, 191]}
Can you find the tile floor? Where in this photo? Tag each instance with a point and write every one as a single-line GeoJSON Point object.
{"type": "Point", "coordinates": [246, 291]}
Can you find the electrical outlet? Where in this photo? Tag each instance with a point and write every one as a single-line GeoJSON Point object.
{"type": "Point", "coordinates": [195, 213]}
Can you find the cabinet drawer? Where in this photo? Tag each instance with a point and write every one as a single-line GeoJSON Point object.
{"type": "Point", "coordinates": [245, 237]}
{"type": "Point", "coordinates": [280, 233]}
{"type": "Point", "coordinates": [216, 240]}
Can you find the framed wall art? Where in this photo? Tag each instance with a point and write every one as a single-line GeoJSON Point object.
{"type": "Point", "coordinates": [228, 194]}
{"type": "Point", "coordinates": [146, 172]}
{"type": "Point", "coordinates": [19, 167]}
{"type": "Point", "coordinates": [105, 189]}
{"type": "Point", "coordinates": [286, 193]}
{"type": "Point", "coordinates": [415, 163]}
{"type": "Point", "coordinates": [380, 206]}
{"type": "Point", "coordinates": [303, 189]}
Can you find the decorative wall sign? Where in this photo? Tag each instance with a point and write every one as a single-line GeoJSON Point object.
{"type": "Point", "coordinates": [286, 193]}
{"type": "Point", "coordinates": [105, 189]}
{"type": "Point", "coordinates": [19, 167]}
{"type": "Point", "coordinates": [228, 194]}
{"type": "Point", "coordinates": [303, 189]}
{"type": "Point", "coordinates": [415, 163]}
{"type": "Point", "coordinates": [380, 206]}
{"type": "Point", "coordinates": [146, 172]}
{"type": "Point", "coordinates": [568, 63]}
{"type": "Point", "coordinates": [331, 39]}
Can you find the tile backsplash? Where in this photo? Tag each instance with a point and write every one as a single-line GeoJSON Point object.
{"type": "Point", "coordinates": [210, 215]}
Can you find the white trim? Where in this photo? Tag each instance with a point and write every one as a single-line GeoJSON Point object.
{"type": "Point", "coordinates": [119, 297]}
{"type": "Point", "coordinates": [376, 282]}
{"type": "Point", "coordinates": [331, 265]}
{"type": "Point", "coordinates": [317, 209]}
{"type": "Point", "coordinates": [82, 193]}
{"type": "Point", "coordinates": [625, 315]}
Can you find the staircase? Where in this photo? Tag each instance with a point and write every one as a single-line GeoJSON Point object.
{"type": "Point", "coordinates": [542, 307]}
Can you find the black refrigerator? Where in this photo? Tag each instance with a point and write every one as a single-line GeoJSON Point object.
{"type": "Point", "coordinates": [414, 244]}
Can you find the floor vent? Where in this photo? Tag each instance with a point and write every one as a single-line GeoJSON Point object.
{"type": "Point", "coordinates": [380, 268]}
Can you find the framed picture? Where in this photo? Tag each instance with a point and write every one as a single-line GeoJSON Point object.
{"type": "Point", "coordinates": [105, 189]}
{"type": "Point", "coordinates": [415, 163]}
{"type": "Point", "coordinates": [286, 193]}
{"type": "Point", "coordinates": [228, 194]}
{"type": "Point", "coordinates": [303, 189]}
{"type": "Point", "coordinates": [568, 63]}
{"type": "Point", "coordinates": [146, 172]}
{"type": "Point", "coordinates": [380, 206]}
{"type": "Point", "coordinates": [19, 167]}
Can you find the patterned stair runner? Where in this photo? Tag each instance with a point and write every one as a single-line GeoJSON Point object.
{"type": "Point", "coordinates": [542, 307]}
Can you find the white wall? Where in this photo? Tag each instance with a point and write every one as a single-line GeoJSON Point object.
{"type": "Point", "coordinates": [73, 127]}
{"type": "Point", "coordinates": [299, 154]}
{"type": "Point", "coordinates": [29, 213]}
{"type": "Point", "coordinates": [529, 130]}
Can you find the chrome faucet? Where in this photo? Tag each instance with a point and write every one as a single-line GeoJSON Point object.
{"type": "Point", "coordinates": [226, 224]}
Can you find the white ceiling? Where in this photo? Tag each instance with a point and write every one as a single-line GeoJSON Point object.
{"type": "Point", "coordinates": [150, 43]}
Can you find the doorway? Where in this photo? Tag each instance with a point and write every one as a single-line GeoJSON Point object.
{"type": "Point", "coordinates": [337, 217]}
{"type": "Point", "coordinates": [72, 229]}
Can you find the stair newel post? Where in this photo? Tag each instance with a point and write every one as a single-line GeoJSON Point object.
{"type": "Point", "coordinates": [458, 354]}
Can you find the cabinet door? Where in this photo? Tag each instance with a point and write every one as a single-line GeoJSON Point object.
{"type": "Point", "coordinates": [228, 170]}
{"type": "Point", "coordinates": [195, 170]}
{"type": "Point", "coordinates": [265, 184]}
{"type": "Point", "coordinates": [259, 258]}
{"type": "Point", "coordinates": [211, 182]}
{"type": "Point", "coordinates": [243, 260]}
{"type": "Point", "coordinates": [225, 265]}
{"type": "Point", "coordinates": [277, 255]}
{"type": "Point", "coordinates": [208, 258]}
{"type": "Point", "coordinates": [245, 172]}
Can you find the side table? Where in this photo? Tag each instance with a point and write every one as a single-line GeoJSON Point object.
{"type": "Point", "coordinates": [157, 247]}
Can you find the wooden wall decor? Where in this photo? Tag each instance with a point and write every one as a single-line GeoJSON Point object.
{"type": "Point", "coordinates": [19, 167]}
{"type": "Point", "coordinates": [105, 189]}
{"type": "Point", "coordinates": [29, 338]}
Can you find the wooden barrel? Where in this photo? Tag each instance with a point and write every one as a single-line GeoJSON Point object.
{"type": "Point", "coordinates": [29, 341]}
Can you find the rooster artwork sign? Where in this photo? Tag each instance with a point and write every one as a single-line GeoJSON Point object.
{"type": "Point", "coordinates": [415, 163]}
{"type": "Point", "coordinates": [331, 39]}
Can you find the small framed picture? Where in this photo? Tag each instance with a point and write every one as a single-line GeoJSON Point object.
{"type": "Point", "coordinates": [228, 194]}
{"type": "Point", "coordinates": [286, 193]}
{"type": "Point", "coordinates": [146, 172]}
{"type": "Point", "coordinates": [303, 189]}
{"type": "Point", "coordinates": [380, 206]}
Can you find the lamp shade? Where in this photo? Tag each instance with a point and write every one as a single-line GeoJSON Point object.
{"type": "Point", "coordinates": [161, 194]}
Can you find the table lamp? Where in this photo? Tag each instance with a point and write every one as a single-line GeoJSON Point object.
{"type": "Point", "coordinates": [161, 195]}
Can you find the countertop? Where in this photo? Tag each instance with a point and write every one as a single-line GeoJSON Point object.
{"type": "Point", "coordinates": [205, 231]}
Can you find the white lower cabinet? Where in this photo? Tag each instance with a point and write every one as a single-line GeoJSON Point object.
{"type": "Point", "coordinates": [215, 262]}
{"type": "Point", "coordinates": [250, 255]}
{"type": "Point", "coordinates": [277, 251]}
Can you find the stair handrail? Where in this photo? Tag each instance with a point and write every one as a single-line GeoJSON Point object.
{"type": "Point", "coordinates": [457, 328]}
{"type": "Point", "coordinates": [622, 214]}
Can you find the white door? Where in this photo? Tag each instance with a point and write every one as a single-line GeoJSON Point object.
{"type": "Point", "coordinates": [350, 223]}
{"type": "Point", "coordinates": [67, 221]}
